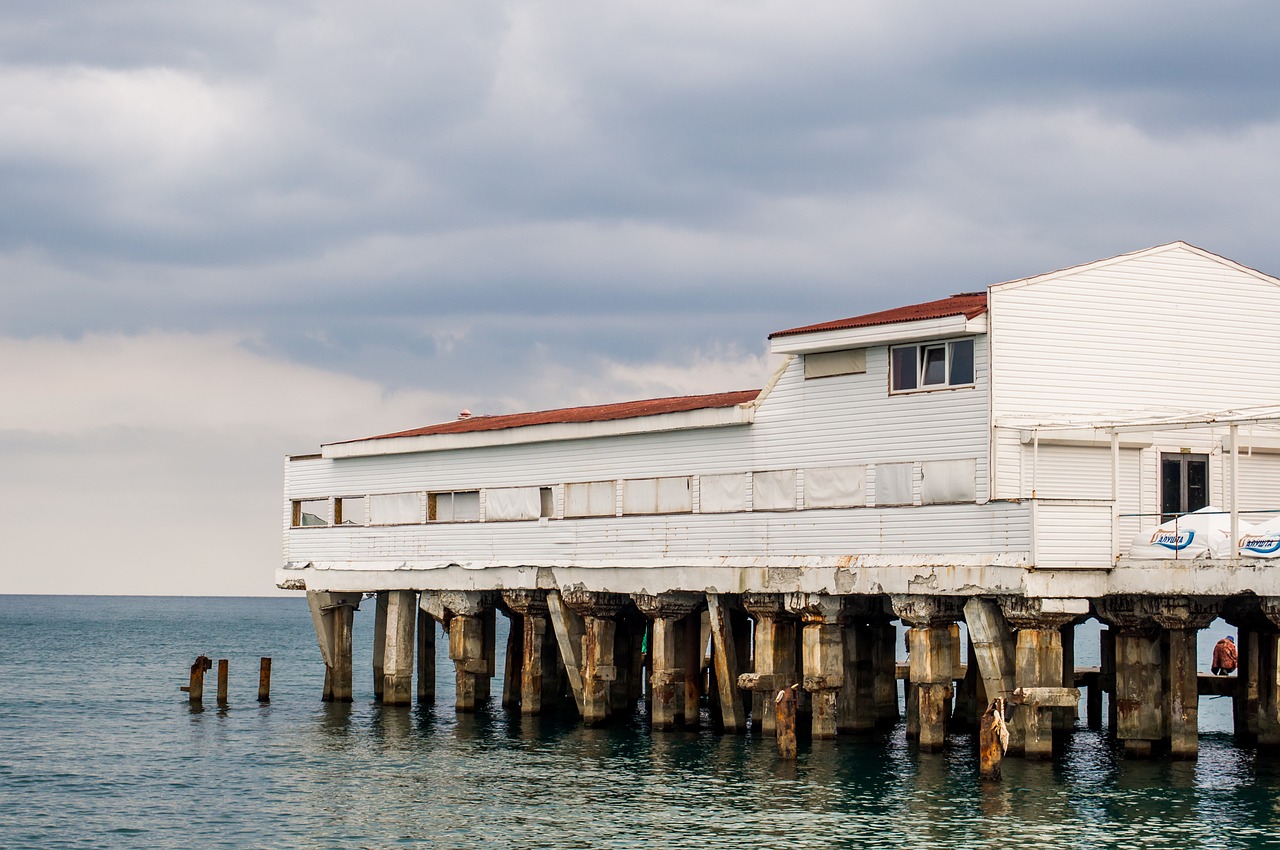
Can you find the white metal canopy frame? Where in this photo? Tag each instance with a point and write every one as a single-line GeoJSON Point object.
{"type": "Point", "coordinates": [1262, 431]}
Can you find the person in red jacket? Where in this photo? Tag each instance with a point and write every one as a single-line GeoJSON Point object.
{"type": "Point", "coordinates": [1224, 657]}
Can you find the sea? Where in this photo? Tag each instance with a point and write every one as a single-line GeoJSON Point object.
{"type": "Point", "coordinates": [100, 749]}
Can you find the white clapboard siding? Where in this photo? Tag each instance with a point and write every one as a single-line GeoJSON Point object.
{"type": "Point", "coordinates": [1165, 329]}
{"type": "Point", "coordinates": [852, 420]}
{"type": "Point", "coordinates": [1080, 472]}
{"type": "Point", "coordinates": [1072, 534]}
{"type": "Point", "coordinates": [933, 530]}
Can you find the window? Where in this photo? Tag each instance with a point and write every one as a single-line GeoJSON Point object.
{"type": "Point", "coordinates": [1184, 484]}
{"type": "Point", "coordinates": [931, 366]}
{"type": "Point", "coordinates": [657, 496]}
{"type": "Point", "coordinates": [944, 482]}
{"type": "Point", "coordinates": [348, 510]}
{"type": "Point", "coordinates": [773, 491]}
{"type": "Point", "coordinates": [462, 506]}
{"type": "Point", "coordinates": [513, 503]}
{"type": "Point", "coordinates": [310, 512]}
{"type": "Point", "coordinates": [591, 498]}
{"type": "Point", "coordinates": [395, 509]}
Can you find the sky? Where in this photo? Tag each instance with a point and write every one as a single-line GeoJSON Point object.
{"type": "Point", "coordinates": [235, 231]}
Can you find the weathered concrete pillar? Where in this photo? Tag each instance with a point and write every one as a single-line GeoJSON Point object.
{"type": "Point", "coordinates": [1038, 665]}
{"type": "Point", "coordinates": [856, 704]}
{"type": "Point", "coordinates": [884, 659]}
{"type": "Point", "coordinates": [775, 656]}
{"type": "Point", "coordinates": [379, 642]}
{"type": "Point", "coordinates": [1268, 667]}
{"type": "Point", "coordinates": [426, 656]}
{"type": "Point", "coordinates": [968, 708]}
{"type": "Point", "coordinates": [692, 642]}
{"type": "Point", "coordinates": [1064, 719]}
{"type": "Point", "coordinates": [1107, 675]}
{"type": "Point", "coordinates": [401, 619]}
{"type": "Point", "coordinates": [489, 649]}
{"type": "Point", "coordinates": [727, 660]}
{"type": "Point", "coordinates": [822, 657]}
{"type": "Point", "coordinates": [666, 611]}
{"type": "Point", "coordinates": [931, 656]}
{"type": "Point", "coordinates": [332, 615]}
{"type": "Point", "coordinates": [466, 646]}
{"type": "Point", "coordinates": [598, 611]}
{"type": "Point", "coordinates": [537, 680]}
{"type": "Point", "coordinates": [994, 648]}
{"type": "Point", "coordinates": [513, 660]}
{"type": "Point", "coordinates": [1183, 617]}
{"type": "Point", "coordinates": [1139, 672]}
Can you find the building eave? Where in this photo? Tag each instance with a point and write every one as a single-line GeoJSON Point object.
{"type": "Point", "coordinates": [861, 337]}
{"type": "Point", "coordinates": [715, 417]}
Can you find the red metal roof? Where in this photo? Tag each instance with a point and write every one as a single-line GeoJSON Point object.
{"type": "Point", "coordinates": [594, 413]}
{"type": "Point", "coordinates": [967, 304]}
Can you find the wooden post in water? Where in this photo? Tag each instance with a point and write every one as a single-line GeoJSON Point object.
{"type": "Point", "coordinates": [222, 681]}
{"type": "Point", "coordinates": [784, 705]}
{"type": "Point", "coordinates": [195, 686]}
{"type": "Point", "coordinates": [993, 737]}
{"type": "Point", "coordinates": [264, 680]}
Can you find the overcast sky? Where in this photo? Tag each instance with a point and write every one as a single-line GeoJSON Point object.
{"type": "Point", "coordinates": [237, 230]}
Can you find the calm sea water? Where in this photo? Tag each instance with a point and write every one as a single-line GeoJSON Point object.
{"type": "Point", "coordinates": [98, 748]}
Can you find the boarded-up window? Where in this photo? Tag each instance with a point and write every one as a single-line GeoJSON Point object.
{"type": "Point", "coordinates": [461, 506]}
{"type": "Point", "coordinates": [591, 498]}
{"type": "Point", "coordinates": [656, 496]}
{"type": "Point", "coordinates": [835, 487]}
{"type": "Point", "coordinates": [773, 491]}
{"type": "Point", "coordinates": [945, 481]}
{"type": "Point", "coordinates": [395, 509]}
{"type": "Point", "coordinates": [310, 512]}
{"type": "Point", "coordinates": [719, 494]}
{"type": "Point", "coordinates": [512, 503]}
{"type": "Point", "coordinates": [349, 510]}
{"type": "Point", "coordinates": [852, 361]}
{"type": "Point", "coordinates": [893, 484]}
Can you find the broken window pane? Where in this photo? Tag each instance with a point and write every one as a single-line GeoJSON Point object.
{"type": "Point", "coordinates": [310, 512]}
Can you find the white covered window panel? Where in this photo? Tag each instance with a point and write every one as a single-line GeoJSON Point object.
{"type": "Point", "coordinates": [656, 496]}
{"type": "Point", "coordinates": [720, 494]}
{"type": "Point", "coordinates": [512, 503]}
{"type": "Point", "coordinates": [826, 364]}
{"type": "Point", "coordinates": [773, 491]}
{"type": "Point", "coordinates": [395, 509]}
{"type": "Point", "coordinates": [835, 487]}
{"type": "Point", "coordinates": [948, 481]}
{"type": "Point", "coordinates": [592, 498]}
{"type": "Point", "coordinates": [893, 484]}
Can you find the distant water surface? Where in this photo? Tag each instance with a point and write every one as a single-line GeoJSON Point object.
{"type": "Point", "coordinates": [98, 748]}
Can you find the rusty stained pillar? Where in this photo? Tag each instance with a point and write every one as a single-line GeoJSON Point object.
{"type": "Point", "coordinates": [599, 612]}
{"type": "Point", "coordinates": [1252, 643]}
{"type": "Point", "coordinates": [537, 680]}
{"type": "Point", "coordinates": [1139, 672]}
{"type": "Point", "coordinates": [822, 657]}
{"type": "Point", "coordinates": [426, 652]}
{"type": "Point", "coordinates": [466, 646]}
{"type": "Point", "coordinates": [931, 658]}
{"type": "Point", "coordinates": [1183, 617]}
{"type": "Point", "coordinates": [884, 660]}
{"type": "Point", "coordinates": [1038, 662]}
{"type": "Point", "coordinates": [666, 681]}
{"type": "Point", "coordinates": [774, 656]}
{"type": "Point", "coordinates": [1268, 675]}
{"type": "Point", "coordinates": [379, 642]}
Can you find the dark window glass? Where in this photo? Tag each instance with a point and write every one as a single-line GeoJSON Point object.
{"type": "Point", "coordinates": [935, 364]}
{"type": "Point", "coordinates": [904, 368]}
{"type": "Point", "coordinates": [961, 363]}
{"type": "Point", "coordinates": [1184, 484]}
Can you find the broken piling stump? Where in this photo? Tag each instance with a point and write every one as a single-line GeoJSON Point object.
{"type": "Point", "coordinates": [993, 739]}
{"type": "Point", "coordinates": [264, 680]}
{"type": "Point", "coordinates": [785, 704]}
{"type": "Point", "coordinates": [195, 686]}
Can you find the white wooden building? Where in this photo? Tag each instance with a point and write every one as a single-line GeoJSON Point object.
{"type": "Point", "coordinates": [1011, 441]}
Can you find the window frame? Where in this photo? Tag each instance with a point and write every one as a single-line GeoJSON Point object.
{"type": "Point", "coordinates": [919, 353]}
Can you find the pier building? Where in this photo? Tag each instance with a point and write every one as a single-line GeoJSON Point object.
{"type": "Point", "coordinates": [1100, 442]}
